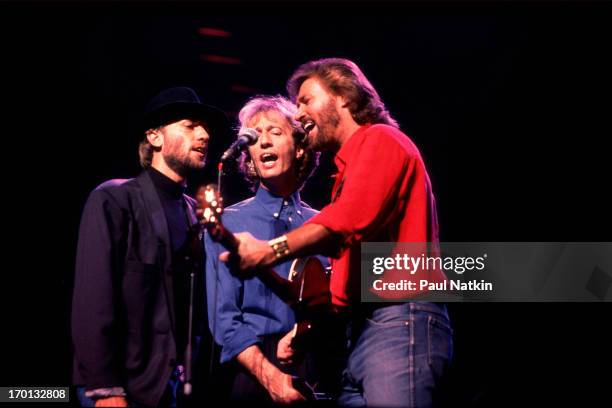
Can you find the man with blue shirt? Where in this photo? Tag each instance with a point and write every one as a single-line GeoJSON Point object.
{"type": "Point", "coordinates": [245, 316]}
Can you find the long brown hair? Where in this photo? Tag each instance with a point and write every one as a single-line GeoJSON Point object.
{"type": "Point", "coordinates": [344, 78]}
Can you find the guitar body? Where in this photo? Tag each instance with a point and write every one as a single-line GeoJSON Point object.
{"type": "Point", "coordinates": [310, 280]}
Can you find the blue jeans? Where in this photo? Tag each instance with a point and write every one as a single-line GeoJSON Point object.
{"type": "Point", "coordinates": [398, 355]}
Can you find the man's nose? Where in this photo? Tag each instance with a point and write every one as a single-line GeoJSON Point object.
{"type": "Point", "coordinates": [201, 133]}
{"type": "Point", "coordinates": [265, 140]}
{"type": "Point", "coordinates": [300, 114]}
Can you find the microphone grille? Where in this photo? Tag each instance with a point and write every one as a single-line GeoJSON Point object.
{"type": "Point", "coordinates": [251, 134]}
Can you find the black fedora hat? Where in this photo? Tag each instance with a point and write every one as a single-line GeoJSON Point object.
{"type": "Point", "coordinates": [177, 103]}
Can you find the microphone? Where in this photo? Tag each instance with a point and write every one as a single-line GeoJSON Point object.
{"type": "Point", "coordinates": [246, 138]}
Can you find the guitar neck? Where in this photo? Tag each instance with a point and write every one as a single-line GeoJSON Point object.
{"type": "Point", "coordinates": [220, 234]}
{"type": "Point", "coordinates": [280, 286]}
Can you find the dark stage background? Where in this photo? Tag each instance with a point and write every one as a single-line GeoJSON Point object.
{"type": "Point", "coordinates": [508, 102]}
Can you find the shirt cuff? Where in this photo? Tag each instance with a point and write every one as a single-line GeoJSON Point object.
{"type": "Point", "coordinates": [237, 344]}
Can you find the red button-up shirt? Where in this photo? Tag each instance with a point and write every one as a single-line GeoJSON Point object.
{"type": "Point", "coordinates": [382, 193]}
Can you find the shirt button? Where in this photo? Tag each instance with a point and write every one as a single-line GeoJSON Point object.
{"type": "Point", "coordinates": [285, 202]}
{"type": "Point", "coordinates": [299, 212]}
{"type": "Point", "coordinates": [275, 215]}
{"type": "Point", "coordinates": [290, 219]}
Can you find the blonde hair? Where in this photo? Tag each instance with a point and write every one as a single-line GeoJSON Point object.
{"type": "Point", "coordinates": [306, 164]}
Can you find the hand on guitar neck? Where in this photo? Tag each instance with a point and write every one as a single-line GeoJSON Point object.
{"type": "Point", "coordinates": [260, 253]}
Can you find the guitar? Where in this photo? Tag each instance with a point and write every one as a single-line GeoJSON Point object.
{"type": "Point", "coordinates": [307, 289]}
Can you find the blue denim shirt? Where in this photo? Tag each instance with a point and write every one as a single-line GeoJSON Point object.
{"type": "Point", "coordinates": [246, 310]}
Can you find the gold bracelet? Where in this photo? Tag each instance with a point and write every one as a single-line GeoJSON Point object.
{"type": "Point", "coordinates": [280, 246]}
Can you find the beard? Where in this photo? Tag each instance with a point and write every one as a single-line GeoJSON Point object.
{"type": "Point", "coordinates": [183, 165]}
{"type": "Point", "coordinates": [329, 118]}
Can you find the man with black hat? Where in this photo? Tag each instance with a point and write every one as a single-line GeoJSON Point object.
{"type": "Point", "coordinates": [138, 245]}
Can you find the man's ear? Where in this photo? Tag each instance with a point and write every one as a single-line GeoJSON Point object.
{"type": "Point", "coordinates": [155, 137]}
{"type": "Point", "coordinates": [343, 101]}
{"type": "Point", "coordinates": [299, 152]}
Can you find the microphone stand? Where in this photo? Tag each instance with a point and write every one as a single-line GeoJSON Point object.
{"type": "Point", "coordinates": [195, 244]}
{"type": "Point", "coordinates": [213, 324]}
{"type": "Point", "coordinates": [188, 387]}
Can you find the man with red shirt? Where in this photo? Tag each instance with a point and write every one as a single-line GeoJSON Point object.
{"type": "Point", "coordinates": [397, 351]}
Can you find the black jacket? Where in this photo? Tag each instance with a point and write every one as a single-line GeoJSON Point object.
{"type": "Point", "coordinates": [123, 306]}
